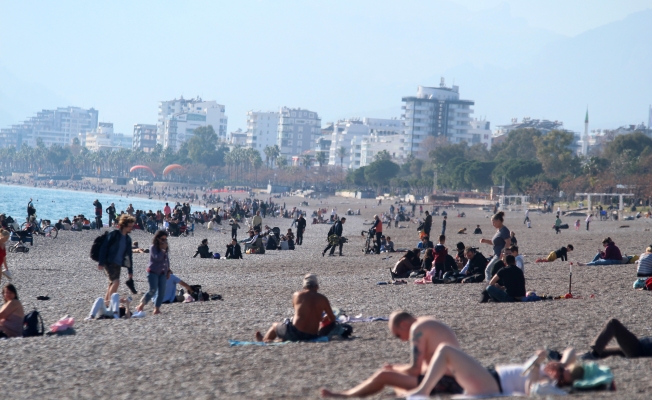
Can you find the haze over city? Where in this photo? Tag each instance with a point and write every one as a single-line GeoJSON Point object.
{"type": "Point", "coordinates": [540, 59]}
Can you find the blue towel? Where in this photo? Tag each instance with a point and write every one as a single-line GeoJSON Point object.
{"type": "Point", "coordinates": [320, 339]}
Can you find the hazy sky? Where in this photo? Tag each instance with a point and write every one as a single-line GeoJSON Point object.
{"type": "Point", "coordinates": [339, 58]}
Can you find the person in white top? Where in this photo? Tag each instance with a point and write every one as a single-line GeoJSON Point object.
{"type": "Point", "coordinates": [588, 220]}
{"type": "Point", "coordinates": [508, 380]}
{"type": "Point", "coordinates": [513, 250]}
{"type": "Point", "coordinates": [527, 216]}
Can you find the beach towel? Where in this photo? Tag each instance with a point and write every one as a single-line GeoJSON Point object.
{"type": "Point", "coordinates": [63, 324]}
{"type": "Point", "coordinates": [233, 343]}
{"type": "Point", "coordinates": [345, 319]}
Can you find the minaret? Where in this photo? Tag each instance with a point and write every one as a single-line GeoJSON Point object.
{"type": "Point", "coordinates": [585, 139]}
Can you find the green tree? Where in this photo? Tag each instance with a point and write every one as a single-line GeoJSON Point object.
{"type": "Point", "coordinates": [341, 153]}
{"type": "Point", "coordinates": [307, 161]}
{"type": "Point", "coordinates": [519, 173]}
{"type": "Point", "coordinates": [520, 143]}
{"type": "Point", "coordinates": [636, 142]}
{"type": "Point", "coordinates": [380, 172]}
{"type": "Point", "coordinates": [202, 147]}
{"type": "Point", "coordinates": [554, 152]}
{"type": "Point", "coordinates": [383, 155]}
{"type": "Point", "coordinates": [356, 177]}
{"type": "Point", "coordinates": [321, 158]}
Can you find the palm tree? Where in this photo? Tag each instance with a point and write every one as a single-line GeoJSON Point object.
{"type": "Point", "coordinates": [307, 160]}
{"type": "Point", "coordinates": [341, 153]}
{"type": "Point", "coordinates": [268, 154]}
{"type": "Point", "coordinates": [321, 158]}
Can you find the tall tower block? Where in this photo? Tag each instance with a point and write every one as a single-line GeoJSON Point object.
{"type": "Point", "coordinates": [585, 138]}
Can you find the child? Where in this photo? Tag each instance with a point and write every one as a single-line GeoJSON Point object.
{"type": "Point", "coordinates": [440, 257]}
{"type": "Point", "coordinates": [477, 230]}
{"type": "Point", "coordinates": [513, 250]}
{"type": "Point", "coordinates": [561, 253]}
{"type": "Point", "coordinates": [577, 225]}
{"type": "Point", "coordinates": [460, 259]}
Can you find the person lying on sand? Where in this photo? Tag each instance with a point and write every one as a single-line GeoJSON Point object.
{"type": "Point", "coordinates": [628, 344]}
{"type": "Point", "coordinates": [309, 307]}
{"type": "Point", "coordinates": [425, 335]}
{"type": "Point", "coordinates": [511, 380]}
{"type": "Point", "coordinates": [135, 249]}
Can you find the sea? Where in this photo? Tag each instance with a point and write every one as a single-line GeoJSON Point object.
{"type": "Point", "coordinates": [55, 204]}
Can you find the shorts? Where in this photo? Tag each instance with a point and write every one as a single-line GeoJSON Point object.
{"type": "Point", "coordinates": [289, 333]}
{"type": "Point", "coordinates": [492, 371]}
{"type": "Point", "coordinates": [112, 271]}
{"type": "Point", "coordinates": [552, 256]}
{"type": "Point", "coordinates": [446, 385]}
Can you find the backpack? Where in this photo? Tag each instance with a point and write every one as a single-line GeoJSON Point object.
{"type": "Point", "coordinates": [97, 245]}
{"type": "Point", "coordinates": [331, 231]}
{"type": "Point", "coordinates": [31, 324]}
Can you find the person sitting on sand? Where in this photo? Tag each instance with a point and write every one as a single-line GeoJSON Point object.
{"type": "Point", "coordinates": [309, 307]}
{"type": "Point", "coordinates": [405, 265]}
{"type": "Point", "coordinates": [510, 380]}
{"type": "Point", "coordinates": [460, 257]}
{"type": "Point", "coordinates": [611, 254]}
{"type": "Point", "coordinates": [428, 258]}
{"type": "Point", "coordinates": [628, 344]}
{"type": "Point", "coordinates": [513, 250]}
{"type": "Point", "coordinates": [233, 250]}
{"type": "Point", "coordinates": [171, 289]}
{"type": "Point", "coordinates": [425, 335]}
{"type": "Point", "coordinates": [473, 271]}
{"type": "Point", "coordinates": [425, 243]}
{"type": "Point", "coordinates": [561, 254]}
{"type": "Point", "coordinates": [513, 283]}
{"type": "Point", "coordinates": [462, 231]}
{"type": "Point", "coordinates": [477, 230]}
{"type": "Point", "coordinates": [440, 252]}
{"type": "Point", "coordinates": [11, 313]}
{"type": "Point", "coordinates": [644, 262]}
{"type": "Point", "coordinates": [389, 246]}
{"type": "Point", "coordinates": [203, 251]}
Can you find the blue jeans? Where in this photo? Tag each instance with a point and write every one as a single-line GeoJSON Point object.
{"type": "Point", "coordinates": [499, 295]}
{"type": "Point", "coordinates": [599, 261]}
{"type": "Point", "coordinates": [157, 284]}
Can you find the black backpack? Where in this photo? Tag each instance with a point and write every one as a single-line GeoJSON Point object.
{"type": "Point", "coordinates": [97, 245]}
{"type": "Point", "coordinates": [32, 323]}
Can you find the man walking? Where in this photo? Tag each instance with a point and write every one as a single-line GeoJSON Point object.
{"type": "Point", "coordinates": [378, 229]}
{"type": "Point", "coordinates": [257, 221]}
{"type": "Point", "coordinates": [588, 220]}
{"type": "Point", "coordinates": [443, 226]}
{"type": "Point", "coordinates": [98, 214]}
{"type": "Point", "coordinates": [111, 211]}
{"type": "Point", "coordinates": [116, 253]}
{"type": "Point", "coordinates": [301, 226]}
{"type": "Point", "coordinates": [335, 237]}
{"type": "Point", "coordinates": [527, 216]}
{"type": "Point", "coordinates": [427, 224]}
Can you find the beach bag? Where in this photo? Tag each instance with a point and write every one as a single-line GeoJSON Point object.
{"type": "Point", "coordinates": [97, 245]}
{"type": "Point", "coordinates": [640, 283]}
{"type": "Point", "coordinates": [33, 324]}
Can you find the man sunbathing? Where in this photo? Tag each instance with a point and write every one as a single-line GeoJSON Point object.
{"type": "Point", "coordinates": [309, 307]}
{"type": "Point", "coordinates": [425, 335]}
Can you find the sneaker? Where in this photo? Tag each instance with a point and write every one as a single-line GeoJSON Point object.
{"type": "Point", "coordinates": [138, 314]}
{"type": "Point", "coordinates": [130, 284]}
{"type": "Point", "coordinates": [89, 318]}
{"type": "Point", "coordinates": [323, 253]}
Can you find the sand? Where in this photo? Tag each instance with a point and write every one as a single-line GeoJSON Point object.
{"type": "Point", "coordinates": [185, 353]}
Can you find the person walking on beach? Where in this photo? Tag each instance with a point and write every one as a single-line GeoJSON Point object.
{"type": "Point", "coordinates": [158, 272]}
{"type": "Point", "coordinates": [499, 241]}
{"type": "Point", "coordinates": [335, 238]}
{"type": "Point", "coordinates": [443, 226]}
{"type": "Point", "coordinates": [111, 211]}
{"type": "Point", "coordinates": [257, 221]}
{"type": "Point", "coordinates": [588, 220]}
{"type": "Point", "coordinates": [167, 211]}
{"type": "Point", "coordinates": [301, 226]}
{"type": "Point", "coordinates": [378, 230]}
{"type": "Point", "coordinates": [115, 253]}
{"type": "Point", "coordinates": [427, 224]}
{"type": "Point", "coordinates": [4, 269]}
{"type": "Point", "coordinates": [98, 214]}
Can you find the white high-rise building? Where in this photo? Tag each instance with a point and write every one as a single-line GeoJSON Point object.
{"type": "Point", "coordinates": [296, 130]}
{"type": "Point", "coordinates": [177, 119]}
{"type": "Point", "coordinates": [438, 112]}
{"type": "Point", "coordinates": [104, 139]}
{"type": "Point", "coordinates": [262, 129]}
{"type": "Point", "coordinates": [351, 134]}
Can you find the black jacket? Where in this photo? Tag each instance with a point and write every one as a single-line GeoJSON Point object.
{"type": "Point", "coordinates": [301, 224]}
{"type": "Point", "coordinates": [203, 252]}
{"type": "Point", "coordinates": [427, 224]}
{"type": "Point", "coordinates": [233, 251]}
{"type": "Point", "coordinates": [110, 248]}
{"type": "Point", "coordinates": [477, 264]}
{"type": "Point", "coordinates": [337, 229]}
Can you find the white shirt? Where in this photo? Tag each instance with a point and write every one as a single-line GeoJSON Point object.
{"type": "Point", "coordinates": [519, 262]}
{"type": "Point", "coordinates": [511, 380]}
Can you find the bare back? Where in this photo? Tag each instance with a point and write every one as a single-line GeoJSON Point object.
{"type": "Point", "coordinates": [428, 333]}
{"type": "Point", "coordinates": [309, 307]}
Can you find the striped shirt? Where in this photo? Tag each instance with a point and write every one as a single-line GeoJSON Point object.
{"type": "Point", "coordinates": [645, 265]}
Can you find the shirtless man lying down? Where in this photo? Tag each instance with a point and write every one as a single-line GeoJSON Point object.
{"type": "Point", "coordinates": [425, 335]}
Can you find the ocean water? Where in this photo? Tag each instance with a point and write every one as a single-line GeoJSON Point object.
{"type": "Point", "coordinates": [55, 204]}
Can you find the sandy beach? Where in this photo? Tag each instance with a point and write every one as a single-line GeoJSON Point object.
{"type": "Point", "coordinates": [185, 353]}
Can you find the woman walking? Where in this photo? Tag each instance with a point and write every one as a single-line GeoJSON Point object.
{"type": "Point", "coordinates": [158, 271]}
{"type": "Point", "coordinates": [499, 241]}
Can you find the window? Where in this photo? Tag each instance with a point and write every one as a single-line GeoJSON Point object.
{"type": "Point", "coordinates": [293, 114]}
{"type": "Point", "coordinates": [299, 136]}
{"type": "Point", "coordinates": [299, 143]}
